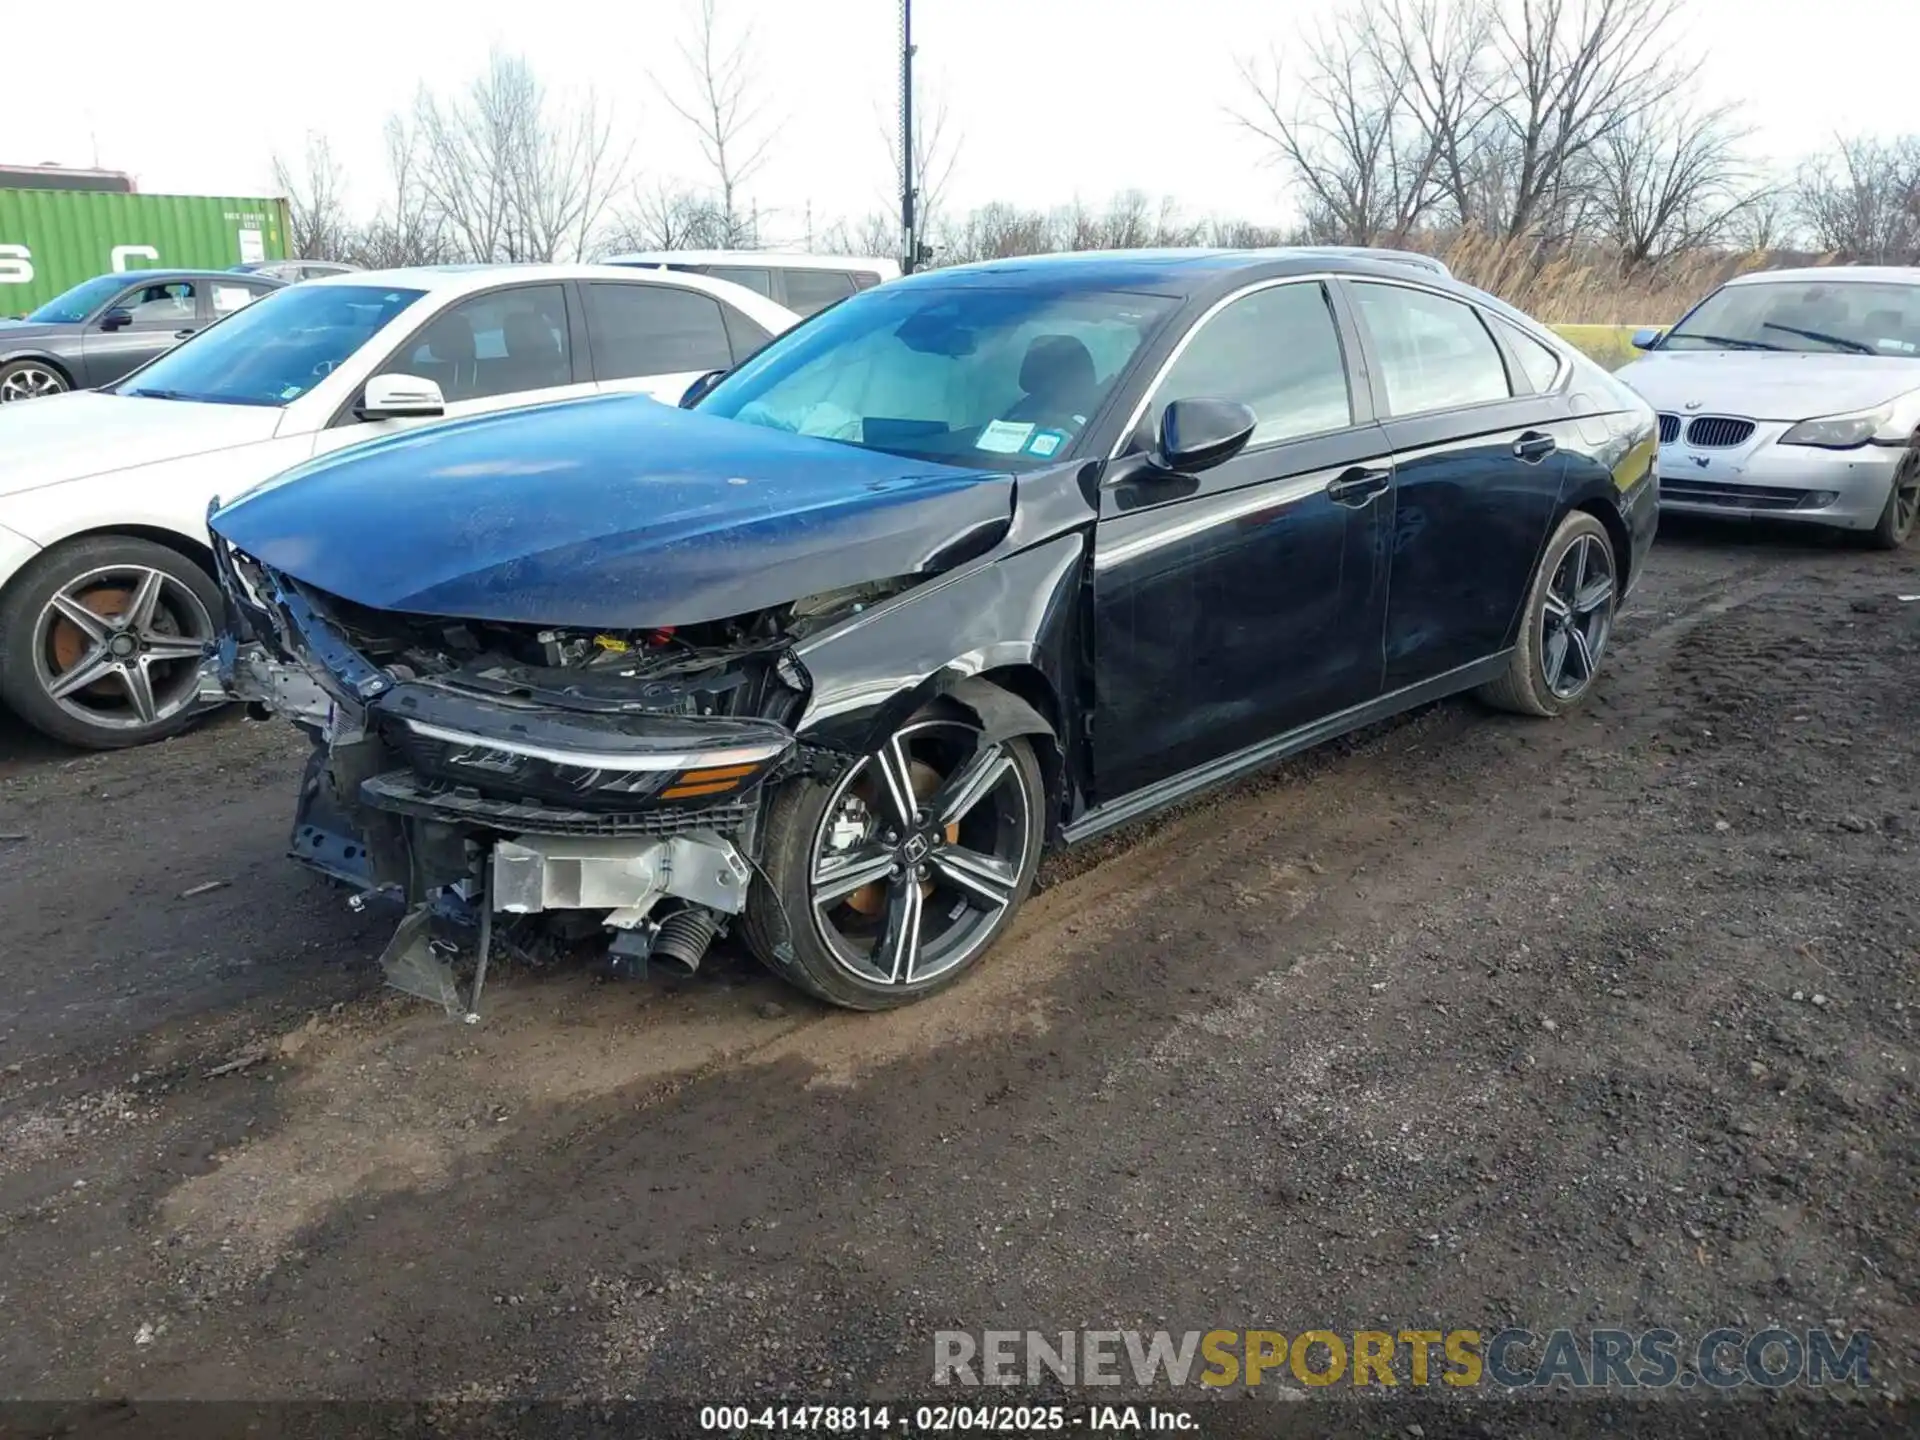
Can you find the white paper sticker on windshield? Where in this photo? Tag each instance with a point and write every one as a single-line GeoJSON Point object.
{"type": "Point", "coordinates": [1003, 437]}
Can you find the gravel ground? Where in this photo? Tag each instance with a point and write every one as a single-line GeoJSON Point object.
{"type": "Point", "coordinates": [1467, 1021]}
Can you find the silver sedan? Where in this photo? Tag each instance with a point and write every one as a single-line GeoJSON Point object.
{"type": "Point", "coordinates": [1793, 395]}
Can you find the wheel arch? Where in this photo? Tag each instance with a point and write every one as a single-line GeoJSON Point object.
{"type": "Point", "coordinates": [1608, 514]}
{"type": "Point", "coordinates": [41, 357]}
{"type": "Point", "coordinates": [185, 546]}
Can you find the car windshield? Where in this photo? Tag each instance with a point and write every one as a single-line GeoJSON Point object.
{"type": "Point", "coordinates": [1849, 317]}
{"type": "Point", "coordinates": [79, 302]}
{"type": "Point", "coordinates": [961, 374]}
{"type": "Point", "coordinates": [275, 350]}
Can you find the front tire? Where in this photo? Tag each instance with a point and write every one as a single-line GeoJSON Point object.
{"type": "Point", "coordinates": [1566, 624]}
{"type": "Point", "coordinates": [101, 639]}
{"type": "Point", "coordinates": [891, 881]}
{"type": "Point", "coordinates": [1903, 506]}
{"type": "Point", "coordinates": [30, 380]}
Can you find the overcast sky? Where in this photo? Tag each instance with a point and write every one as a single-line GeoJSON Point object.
{"type": "Point", "coordinates": [1054, 99]}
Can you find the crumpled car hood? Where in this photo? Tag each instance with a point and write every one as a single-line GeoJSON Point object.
{"type": "Point", "coordinates": [612, 513]}
{"type": "Point", "coordinates": [1767, 386]}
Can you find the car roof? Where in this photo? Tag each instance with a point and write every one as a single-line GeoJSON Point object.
{"type": "Point", "coordinates": [1838, 274]}
{"type": "Point", "coordinates": [1187, 270]}
{"type": "Point", "coordinates": [777, 259]}
{"type": "Point", "coordinates": [134, 277]}
{"type": "Point", "coordinates": [450, 281]}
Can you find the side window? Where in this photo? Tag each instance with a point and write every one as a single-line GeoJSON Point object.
{"type": "Point", "coordinates": [811, 291]}
{"type": "Point", "coordinates": [744, 334]}
{"type": "Point", "coordinates": [654, 330]}
{"type": "Point", "coordinates": [753, 277]}
{"type": "Point", "coordinates": [1540, 363]}
{"type": "Point", "coordinates": [1276, 351]}
{"type": "Point", "coordinates": [1434, 353]}
{"type": "Point", "coordinates": [229, 298]}
{"type": "Point", "coordinates": [865, 279]}
{"type": "Point", "coordinates": [499, 344]}
{"type": "Point", "coordinates": [166, 306]}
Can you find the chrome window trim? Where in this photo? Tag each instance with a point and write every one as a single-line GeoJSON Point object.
{"type": "Point", "coordinates": [1318, 277]}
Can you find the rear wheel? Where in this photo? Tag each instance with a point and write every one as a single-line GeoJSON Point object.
{"type": "Point", "coordinates": [30, 380]}
{"type": "Point", "coordinates": [890, 882]}
{"type": "Point", "coordinates": [101, 639]}
{"type": "Point", "coordinates": [1903, 506]}
{"type": "Point", "coordinates": [1567, 623]}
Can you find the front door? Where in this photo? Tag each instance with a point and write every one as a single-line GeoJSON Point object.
{"type": "Point", "coordinates": [493, 351]}
{"type": "Point", "coordinates": [1235, 605]}
{"type": "Point", "coordinates": [1476, 437]}
{"type": "Point", "coordinates": [144, 321]}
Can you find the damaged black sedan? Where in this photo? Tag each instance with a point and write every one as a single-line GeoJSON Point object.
{"type": "Point", "coordinates": [983, 561]}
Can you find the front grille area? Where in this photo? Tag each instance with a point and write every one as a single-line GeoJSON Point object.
{"type": "Point", "coordinates": [1718, 432]}
{"type": "Point", "coordinates": [1669, 429]}
{"type": "Point", "coordinates": [1731, 497]}
{"type": "Point", "coordinates": [407, 794]}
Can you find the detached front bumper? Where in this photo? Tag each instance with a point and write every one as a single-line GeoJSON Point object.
{"type": "Point", "coordinates": [1762, 479]}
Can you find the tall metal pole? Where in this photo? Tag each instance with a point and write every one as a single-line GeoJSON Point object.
{"type": "Point", "coordinates": [908, 221]}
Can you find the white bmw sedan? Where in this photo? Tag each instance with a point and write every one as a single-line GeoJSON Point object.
{"type": "Point", "coordinates": [1793, 395]}
{"type": "Point", "coordinates": [106, 590]}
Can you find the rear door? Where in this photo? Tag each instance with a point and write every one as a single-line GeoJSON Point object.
{"type": "Point", "coordinates": [1238, 604]}
{"type": "Point", "coordinates": [1477, 471]}
{"type": "Point", "coordinates": [657, 339]}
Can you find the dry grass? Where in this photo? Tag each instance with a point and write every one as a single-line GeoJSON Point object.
{"type": "Point", "coordinates": [1585, 286]}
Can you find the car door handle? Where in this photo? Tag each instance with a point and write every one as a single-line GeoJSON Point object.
{"type": "Point", "coordinates": [183, 334]}
{"type": "Point", "coordinates": [1534, 446]}
{"type": "Point", "coordinates": [1358, 486]}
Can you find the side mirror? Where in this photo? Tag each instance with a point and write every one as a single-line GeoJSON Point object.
{"type": "Point", "coordinates": [697, 391]}
{"type": "Point", "coordinates": [116, 319]}
{"type": "Point", "coordinates": [400, 397]}
{"type": "Point", "coordinates": [1198, 434]}
{"type": "Point", "coordinates": [1646, 339]}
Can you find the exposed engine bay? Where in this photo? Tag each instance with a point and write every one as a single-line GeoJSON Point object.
{"type": "Point", "coordinates": [479, 774]}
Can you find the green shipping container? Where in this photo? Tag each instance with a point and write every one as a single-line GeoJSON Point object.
{"type": "Point", "coordinates": [51, 240]}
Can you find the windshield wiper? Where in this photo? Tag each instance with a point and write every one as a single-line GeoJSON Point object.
{"type": "Point", "coordinates": [1853, 346]}
{"type": "Point", "coordinates": [156, 394]}
{"type": "Point", "coordinates": [1726, 340]}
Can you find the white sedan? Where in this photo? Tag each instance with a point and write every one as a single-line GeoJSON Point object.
{"type": "Point", "coordinates": [106, 595]}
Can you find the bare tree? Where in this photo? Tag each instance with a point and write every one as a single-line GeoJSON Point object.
{"type": "Point", "coordinates": [1346, 133]}
{"type": "Point", "coordinates": [317, 220]}
{"type": "Point", "coordinates": [718, 102]}
{"type": "Point", "coordinates": [936, 151]}
{"type": "Point", "coordinates": [875, 233]}
{"type": "Point", "coordinates": [513, 175]}
{"type": "Point", "coordinates": [669, 217]}
{"type": "Point", "coordinates": [1577, 71]}
{"type": "Point", "coordinates": [1764, 222]}
{"type": "Point", "coordinates": [406, 230]}
{"type": "Point", "coordinates": [1671, 179]}
{"type": "Point", "coordinates": [1440, 54]}
{"type": "Point", "coordinates": [1862, 199]}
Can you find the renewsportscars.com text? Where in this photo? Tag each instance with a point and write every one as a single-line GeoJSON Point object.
{"type": "Point", "coordinates": [1513, 1358]}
